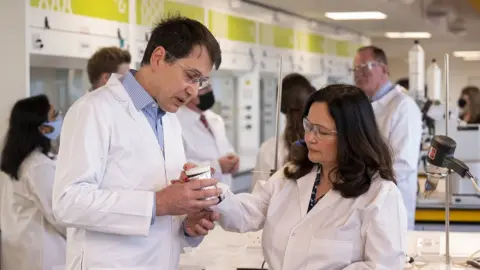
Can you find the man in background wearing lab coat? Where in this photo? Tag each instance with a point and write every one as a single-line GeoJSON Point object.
{"type": "Point", "coordinates": [204, 136]}
{"type": "Point", "coordinates": [398, 118]}
{"type": "Point", "coordinates": [121, 148]}
{"type": "Point", "coordinates": [104, 62]}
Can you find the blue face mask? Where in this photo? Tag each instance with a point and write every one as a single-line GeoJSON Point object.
{"type": "Point", "coordinates": [57, 127]}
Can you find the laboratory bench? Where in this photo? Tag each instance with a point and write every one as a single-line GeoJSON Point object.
{"type": "Point", "coordinates": [222, 250]}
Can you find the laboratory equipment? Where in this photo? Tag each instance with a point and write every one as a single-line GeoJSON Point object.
{"type": "Point", "coordinates": [416, 72]}
{"type": "Point", "coordinates": [268, 88]}
{"type": "Point", "coordinates": [434, 81]}
{"type": "Point", "coordinates": [277, 114]}
{"type": "Point", "coordinates": [223, 86]}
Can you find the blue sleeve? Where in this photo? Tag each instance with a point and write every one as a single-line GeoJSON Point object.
{"type": "Point", "coordinates": [191, 241]}
{"type": "Point", "coordinates": [154, 209]}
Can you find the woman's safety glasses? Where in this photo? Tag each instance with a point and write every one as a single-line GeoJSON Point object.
{"type": "Point", "coordinates": [319, 131]}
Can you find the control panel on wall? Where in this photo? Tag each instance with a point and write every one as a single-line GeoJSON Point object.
{"type": "Point", "coordinates": [225, 105]}
{"type": "Point", "coordinates": [268, 100]}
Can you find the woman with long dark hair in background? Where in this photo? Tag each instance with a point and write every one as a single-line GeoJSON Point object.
{"type": "Point", "coordinates": [31, 239]}
{"type": "Point", "coordinates": [295, 91]}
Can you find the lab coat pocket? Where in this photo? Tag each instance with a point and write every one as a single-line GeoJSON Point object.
{"type": "Point", "coordinates": [327, 254]}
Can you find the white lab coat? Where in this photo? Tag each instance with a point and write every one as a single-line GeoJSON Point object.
{"type": "Point", "coordinates": [400, 121]}
{"type": "Point", "coordinates": [367, 232]}
{"type": "Point", "coordinates": [109, 166]}
{"type": "Point", "coordinates": [266, 159]}
{"type": "Point", "coordinates": [201, 147]}
{"type": "Point", "coordinates": [31, 238]}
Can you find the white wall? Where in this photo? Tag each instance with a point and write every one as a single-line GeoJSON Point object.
{"type": "Point", "coordinates": [15, 60]}
{"type": "Point", "coordinates": [462, 73]}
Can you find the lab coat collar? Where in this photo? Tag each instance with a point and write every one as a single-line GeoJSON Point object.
{"type": "Point", "coordinates": [305, 186]}
{"type": "Point", "coordinates": [120, 93]}
{"type": "Point", "coordinates": [188, 114]}
{"type": "Point", "coordinates": [388, 97]}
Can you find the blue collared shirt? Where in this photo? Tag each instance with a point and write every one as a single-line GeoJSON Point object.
{"type": "Point", "coordinates": [383, 91]}
{"type": "Point", "coordinates": [145, 103]}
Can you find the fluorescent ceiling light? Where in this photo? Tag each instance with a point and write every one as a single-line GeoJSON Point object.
{"type": "Point", "coordinates": [366, 15]}
{"type": "Point", "coordinates": [471, 58]}
{"type": "Point", "coordinates": [408, 35]}
{"type": "Point", "coordinates": [467, 54]}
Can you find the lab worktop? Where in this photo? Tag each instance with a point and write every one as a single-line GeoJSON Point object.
{"type": "Point", "coordinates": [223, 250]}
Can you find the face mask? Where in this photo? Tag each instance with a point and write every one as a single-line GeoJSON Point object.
{"type": "Point", "coordinates": [206, 101]}
{"type": "Point", "coordinates": [57, 127]}
{"type": "Point", "coordinates": [462, 103]}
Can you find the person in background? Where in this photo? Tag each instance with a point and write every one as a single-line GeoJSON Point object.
{"type": "Point", "coordinates": [121, 149]}
{"type": "Point", "coordinates": [404, 82]}
{"type": "Point", "coordinates": [335, 204]}
{"type": "Point", "coordinates": [295, 91]}
{"type": "Point", "coordinates": [204, 136]}
{"type": "Point", "coordinates": [31, 237]}
{"type": "Point", "coordinates": [106, 61]}
{"type": "Point", "coordinates": [469, 103]}
{"type": "Point", "coordinates": [398, 117]}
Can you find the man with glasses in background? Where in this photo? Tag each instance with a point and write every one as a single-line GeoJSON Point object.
{"type": "Point", "coordinates": [398, 117]}
{"type": "Point", "coordinates": [121, 148]}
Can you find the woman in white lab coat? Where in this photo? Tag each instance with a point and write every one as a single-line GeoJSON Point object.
{"type": "Point", "coordinates": [31, 239]}
{"type": "Point", "coordinates": [335, 204]}
{"type": "Point", "coordinates": [295, 91]}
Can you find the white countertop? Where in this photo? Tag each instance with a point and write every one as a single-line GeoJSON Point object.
{"type": "Point", "coordinates": [223, 250]}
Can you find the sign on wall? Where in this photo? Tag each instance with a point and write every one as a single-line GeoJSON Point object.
{"type": "Point", "coordinates": [112, 10]}
{"type": "Point", "coordinates": [232, 27]}
{"type": "Point", "coordinates": [151, 11]}
{"type": "Point", "coordinates": [276, 36]}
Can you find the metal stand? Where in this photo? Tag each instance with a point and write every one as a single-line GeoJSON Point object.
{"type": "Point", "coordinates": [447, 182]}
{"type": "Point", "coordinates": [277, 116]}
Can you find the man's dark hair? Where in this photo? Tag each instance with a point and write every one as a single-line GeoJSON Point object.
{"type": "Point", "coordinates": [178, 35]}
{"type": "Point", "coordinates": [378, 53]}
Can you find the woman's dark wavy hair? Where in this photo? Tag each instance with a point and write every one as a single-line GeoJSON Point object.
{"type": "Point", "coordinates": [23, 135]}
{"type": "Point", "coordinates": [295, 91]}
{"type": "Point", "coordinates": [361, 149]}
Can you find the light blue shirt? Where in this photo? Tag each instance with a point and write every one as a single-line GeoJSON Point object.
{"type": "Point", "coordinates": [145, 103]}
{"type": "Point", "coordinates": [383, 91]}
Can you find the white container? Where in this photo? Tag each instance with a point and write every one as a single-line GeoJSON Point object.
{"type": "Point", "coordinates": [416, 71]}
{"type": "Point", "coordinates": [434, 81]}
{"type": "Point", "coordinates": [199, 173]}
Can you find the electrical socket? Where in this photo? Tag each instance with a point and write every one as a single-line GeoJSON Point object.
{"type": "Point", "coordinates": [429, 246]}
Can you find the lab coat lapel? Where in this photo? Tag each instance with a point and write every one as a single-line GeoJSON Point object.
{"type": "Point", "coordinates": [142, 123]}
{"type": "Point", "coordinates": [383, 102]}
{"type": "Point", "coordinates": [305, 185]}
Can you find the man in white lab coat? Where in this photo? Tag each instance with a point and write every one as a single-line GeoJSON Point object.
{"type": "Point", "coordinates": [398, 118]}
{"type": "Point", "coordinates": [204, 136]}
{"type": "Point", "coordinates": [121, 147]}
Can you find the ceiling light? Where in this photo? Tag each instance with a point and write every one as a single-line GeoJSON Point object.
{"type": "Point", "coordinates": [466, 54]}
{"type": "Point", "coordinates": [366, 15]}
{"type": "Point", "coordinates": [471, 58]}
{"type": "Point", "coordinates": [408, 35]}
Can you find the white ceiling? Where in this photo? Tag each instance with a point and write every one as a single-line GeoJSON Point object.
{"type": "Point", "coordinates": [401, 18]}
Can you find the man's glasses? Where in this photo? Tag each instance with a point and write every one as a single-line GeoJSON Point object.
{"type": "Point", "coordinates": [192, 75]}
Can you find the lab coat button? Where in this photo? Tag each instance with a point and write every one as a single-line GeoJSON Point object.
{"type": "Point", "coordinates": [293, 234]}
